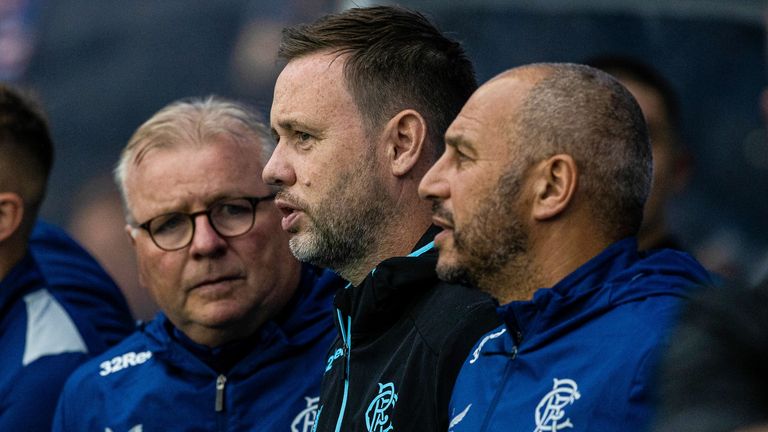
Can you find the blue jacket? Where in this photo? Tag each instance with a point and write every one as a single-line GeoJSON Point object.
{"type": "Point", "coordinates": [153, 381]}
{"type": "Point", "coordinates": [45, 330]}
{"type": "Point", "coordinates": [579, 356]}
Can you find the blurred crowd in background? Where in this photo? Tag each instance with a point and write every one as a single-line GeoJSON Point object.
{"type": "Point", "coordinates": [102, 67]}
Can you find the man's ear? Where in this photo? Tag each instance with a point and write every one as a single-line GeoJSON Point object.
{"type": "Point", "coordinates": [11, 214]}
{"type": "Point", "coordinates": [404, 136]}
{"type": "Point", "coordinates": [554, 183]}
{"type": "Point", "coordinates": [131, 232]}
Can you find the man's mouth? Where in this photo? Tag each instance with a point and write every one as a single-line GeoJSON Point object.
{"type": "Point", "coordinates": [442, 217]}
{"type": "Point", "coordinates": [291, 213]}
{"type": "Point", "coordinates": [218, 280]}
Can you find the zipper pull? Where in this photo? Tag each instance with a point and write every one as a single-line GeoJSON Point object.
{"type": "Point", "coordinates": [221, 381]}
{"type": "Point", "coordinates": [346, 361]}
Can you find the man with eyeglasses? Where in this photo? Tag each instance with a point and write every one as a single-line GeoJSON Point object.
{"type": "Point", "coordinates": [244, 327]}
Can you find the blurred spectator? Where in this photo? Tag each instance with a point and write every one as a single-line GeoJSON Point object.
{"type": "Point", "coordinates": [57, 307]}
{"type": "Point", "coordinates": [97, 222]}
{"type": "Point", "coordinates": [254, 58]}
{"type": "Point", "coordinates": [715, 373]}
{"type": "Point", "coordinates": [714, 376]}
{"type": "Point", "coordinates": [671, 160]}
{"type": "Point", "coordinates": [18, 20]}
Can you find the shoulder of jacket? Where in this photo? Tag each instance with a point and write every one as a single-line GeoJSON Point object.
{"type": "Point", "coordinates": [121, 358]}
{"type": "Point", "coordinates": [449, 311]}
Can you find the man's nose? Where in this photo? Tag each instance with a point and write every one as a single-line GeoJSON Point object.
{"type": "Point", "coordinates": [278, 170]}
{"type": "Point", "coordinates": [206, 241]}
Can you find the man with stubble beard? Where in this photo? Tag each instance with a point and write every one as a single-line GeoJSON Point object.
{"type": "Point", "coordinates": [359, 113]}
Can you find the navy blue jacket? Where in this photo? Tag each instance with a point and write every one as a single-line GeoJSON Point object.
{"type": "Point", "coordinates": [579, 356]}
{"type": "Point", "coordinates": [46, 330]}
{"type": "Point", "coordinates": [153, 381]}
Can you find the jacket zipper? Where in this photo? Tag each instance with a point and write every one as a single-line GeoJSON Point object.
{"type": "Point", "coordinates": [221, 382]}
{"type": "Point", "coordinates": [500, 390]}
{"type": "Point", "coordinates": [346, 336]}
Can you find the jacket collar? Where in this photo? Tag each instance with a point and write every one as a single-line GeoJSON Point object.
{"type": "Point", "coordinates": [393, 284]}
{"type": "Point", "coordinates": [571, 294]}
{"type": "Point", "coordinates": [306, 318]}
{"type": "Point", "coordinates": [619, 274]}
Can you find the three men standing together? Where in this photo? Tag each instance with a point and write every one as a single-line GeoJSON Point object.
{"type": "Point", "coordinates": [539, 193]}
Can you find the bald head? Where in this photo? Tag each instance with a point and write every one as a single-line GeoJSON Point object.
{"type": "Point", "coordinates": [585, 113]}
{"type": "Point", "coordinates": [544, 167]}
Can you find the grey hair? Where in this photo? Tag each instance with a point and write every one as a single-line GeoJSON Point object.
{"type": "Point", "coordinates": [191, 122]}
{"type": "Point", "coordinates": [584, 112]}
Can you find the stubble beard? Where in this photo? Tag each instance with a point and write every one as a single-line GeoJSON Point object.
{"type": "Point", "coordinates": [493, 244]}
{"type": "Point", "coordinates": [345, 228]}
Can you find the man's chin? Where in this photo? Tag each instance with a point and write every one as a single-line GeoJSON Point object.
{"type": "Point", "coordinates": [306, 248]}
{"type": "Point", "coordinates": [454, 273]}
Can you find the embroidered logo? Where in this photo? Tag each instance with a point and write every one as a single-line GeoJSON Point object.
{"type": "Point", "coordinates": [305, 421]}
{"type": "Point", "coordinates": [551, 409]}
{"type": "Point", "coordinates": [376, 418]}
{"type": "Point", "coordinates": [476, 354]}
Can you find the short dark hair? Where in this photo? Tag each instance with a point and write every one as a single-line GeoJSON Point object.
{"type": "Point", "coordinates": [586, 113]}
{"type": "Point", "coordinates": [26, 147]}
{"type": "Point", "coordinates": [397, 60]}
{"type": "Point", "coordinates": [629, 68]}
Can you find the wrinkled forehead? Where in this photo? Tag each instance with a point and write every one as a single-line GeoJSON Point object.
{"type": "Point", "coordinates": [221, 162]}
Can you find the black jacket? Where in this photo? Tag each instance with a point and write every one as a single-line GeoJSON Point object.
{"type": "Point", "coordinates": [410, 334]}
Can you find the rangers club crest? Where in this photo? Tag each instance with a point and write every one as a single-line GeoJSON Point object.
{"type": "Point", "coordinates": [550, 412]}
{"type": "Point", "coordinates": [376, 418]}
{"type": "Point", "coordinates": [305, 421]}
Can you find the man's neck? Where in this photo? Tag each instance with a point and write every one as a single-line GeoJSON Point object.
{"type": "Point", "coordinates": [553, 255]}
{"type": "Point", "coordinates": [10, 255]}
{"type": "Point", "coordinates": [394, 241]}
{"type": "Point", "coordinates": [561, 253]}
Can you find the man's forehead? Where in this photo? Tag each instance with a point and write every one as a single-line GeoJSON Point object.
{"type": "Point", "coordinates": [301, 73]}
{"type": "Point", "coordinates": [308, 84]}
{"type": "Point", "coordinates": [490, 103]}
{"type": "Point", "coordinates": [231, 158]}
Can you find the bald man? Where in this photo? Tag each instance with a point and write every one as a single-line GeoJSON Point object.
{"type": "Point", "coordinates": [540, 194]}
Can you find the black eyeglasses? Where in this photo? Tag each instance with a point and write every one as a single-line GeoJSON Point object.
{"type": "Point", "coordinates": [229, 218]}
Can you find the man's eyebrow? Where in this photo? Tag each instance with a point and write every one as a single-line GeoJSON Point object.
{"type": "Point", "coordinates": [459, 140]}
{"type": "Point", "coordinates": [292, 124]}
{"type": "Point", "coordinates": [289, 124]}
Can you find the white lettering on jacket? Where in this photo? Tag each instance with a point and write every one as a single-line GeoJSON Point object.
{"type": "Point", "coordinates": [124, 361]}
